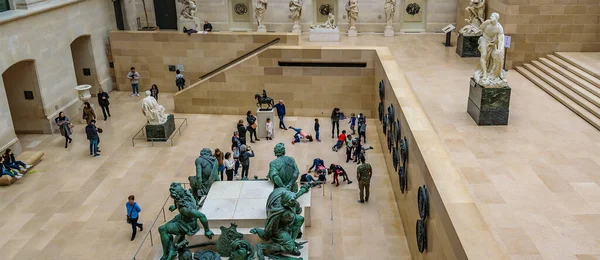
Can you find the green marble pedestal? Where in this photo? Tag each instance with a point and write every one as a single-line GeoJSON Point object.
{"type": "Point", "coordinates": [467, 46]}
{"type": "Point", "coordinates": [160, 133]}
{"type": "Point", "coordinates": [488, 106]}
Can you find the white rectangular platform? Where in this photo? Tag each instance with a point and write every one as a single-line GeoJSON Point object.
{"type": "Point", "coordinates": [244, 202]}
{"type": "Point", "coordinates": [261, 121]}
{"type": "Point", "coordinates": [324, 35]}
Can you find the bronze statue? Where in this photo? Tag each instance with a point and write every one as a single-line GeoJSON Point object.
{"type": "Point", "coordinates": [172, 233]}
{"type": "Point", "coordinates": [264, 99]}
{"type": "Point", "coordinates": [206, 174]}
{"type": "Point", "coordinates": [283, 224]}
{"type": "Point", "coordinates": [283, 171]}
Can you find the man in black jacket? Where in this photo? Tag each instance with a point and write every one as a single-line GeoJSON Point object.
{"type": "Point", "coordinates": [251, 119]}
{"type": "Point", "coordinates": [92, 134]}
{"type": "Point", "coordinates": [241, 128]}
{"type": "Point", "coordinates": [103, 102]}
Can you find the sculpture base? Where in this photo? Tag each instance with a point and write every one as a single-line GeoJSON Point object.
{"type": "Point", "coordinates": [324, 35]}
{"type": "Point", "coordinates": [389, 31]}
{"type": "Point", "coordinates": [188, 24]}
{"type": "Point", "coordinates": [352, 32]}
{"type": "Point", "coordinates": [161, 133]}
{"type": "Point", "coordinates": [488, 106]}
{"type": "Point", "coordinates": [261, 120]}
{"type": "Point", "coordinates": [262, 29]}
{"type": "Point", "coordinates": [297, 29]}
{"type": "Point", "coordinates": [467, 46]}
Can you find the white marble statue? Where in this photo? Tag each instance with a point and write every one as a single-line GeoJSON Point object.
{"type": "Point", "coordinates": [490, 71]}
{"type": "Point", "coordinates": [329, 24]}
{"type": "Point", "coordinates": [189, 10]}
{"type": "Point", "coordinates": [352, 9]}
{"type": "Point", "coordinates": [475, 17]}
{"type": "Point", "coordinates": [390, 10]}
{"type": "Point", "coordinates": [154, 112]}
{"type": "Point", "coordinates": [259, 14]}
{"type": "Point", "coordinates": [296, 10]}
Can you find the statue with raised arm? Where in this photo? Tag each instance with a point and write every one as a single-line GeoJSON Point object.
{"type": "Point", "coordinates": [490, 71]}
{"type": "Point", "coordinates": [155, 113]}
{"type": "Point", "coordinates": [259, 14]}
{"type": "Point", "coordinates": [296, 10]}
{"type": "Point", "coordinates": [329, 24]}
{"type": "Point", "coordinates": [283, 225]}
{"type": "Point", "coordinates": [475, 17]}
{"type": "Point", "coordinates": [283, 171]}
{"type": "Point", "coordinates": [206, 174]}
{"type": "Point", "coordinates": [352, 9]}
{"type": "Point", "coordinates": [172, 233]}
{"type": "Point", "coordinates": [390, 10]}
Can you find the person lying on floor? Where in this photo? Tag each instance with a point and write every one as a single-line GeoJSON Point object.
{"type": "Point", "coordinates": [307, 178]}
{"type": "Point", "coordinates": [300, 134]}
{"type": "Point", "coordinates": [337, 170]}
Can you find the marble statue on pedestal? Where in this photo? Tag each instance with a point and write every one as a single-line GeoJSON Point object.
{"type": "Point", "coordinates": [189, 10]}
{"type": "Point", "coordinates": [475, 17]}
{"type": "Point", "coordinates": [283, 225]}
{"type": "Point", "coordinates": [172, 233]}
{"type": "Point", "coordinates": [283, 171]}
{"type": "Point", "coordinates": [490, 73]}
{"type": "Point", "coordinates": [296, 10]}
{"type": "Point", "coordinates": [206, 174]}
{"type": "Point", "coordinates": [329, 24]}
{"type": "Point", "coordinates": [352, 9]}
{"type": "Point", "coordinates": [390, 10]}
{"type": "Point", "coordinates": [259, 14]}
{"type": "Point", "coordinates": [155, 113]}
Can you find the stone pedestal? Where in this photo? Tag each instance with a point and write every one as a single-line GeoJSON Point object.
{"type": "Point", "coordinates": [467, 46]}
{"type": "Point", "coordinates": [389, 31]}
{"type": "Point", "coordinates": [188, 24]}
{"type": "Point", "coordinates": [352, 32]}
{"type": "Point", "coordinates": [297, 29]}
{"type": "Point", "coordinates": [261, 120]}
{"type": "Point", "coordinates": [488, 106]}
{"type": "Point", "coordinates": [324, 35]}
{"type": "Point", "coordinates": [262, 29]}
{"type": "Point", "coordinates": [160, 133]}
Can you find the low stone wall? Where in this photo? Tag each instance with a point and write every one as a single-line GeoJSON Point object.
{"type": "Point", "coordinates": [151, 53]}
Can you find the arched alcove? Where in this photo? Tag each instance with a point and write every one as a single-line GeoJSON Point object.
{"type": "Point", "coordinates": [83, 62]}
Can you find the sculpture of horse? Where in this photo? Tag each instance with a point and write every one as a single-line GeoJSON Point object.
{"type": "Point", "coordinates": [263, 99]}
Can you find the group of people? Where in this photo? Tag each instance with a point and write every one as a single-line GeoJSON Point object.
{"type": "Point", "coordinates": [134, 78]}
{"type": "Point", "coordinates": [12, 167]}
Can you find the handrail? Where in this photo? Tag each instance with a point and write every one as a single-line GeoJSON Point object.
{"type": "Point", "coordinates": [219, 69]}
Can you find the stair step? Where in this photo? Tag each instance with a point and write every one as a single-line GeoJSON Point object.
{"type": "Point", "coordinates": [571, 76]}
{"type": "Point", "coordinates": [591, 97]}
{"type": "Point", "coordinates": [575, 70]}
{"type": "Point", "coordinates": [566, 56]}
{"type": "Point", "coordinates": [573, 106]}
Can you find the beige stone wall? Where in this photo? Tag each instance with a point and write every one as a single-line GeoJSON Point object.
{"type": "Point", "coordinates": [306, 91]}
{"type": "Point", "coordinates": [151, 53]}
{"type": "Point", "coordinates": [46, 37]}
{"type": "Point", "coordinates": [455, 227]}
{"type": "Point", "coordinates": [539, 28]}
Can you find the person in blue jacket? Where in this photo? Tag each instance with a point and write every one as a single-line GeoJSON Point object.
{"type": "Point", "coordinates": [133, 213]}
{"type": "Point", "coordinates": [280, 113]}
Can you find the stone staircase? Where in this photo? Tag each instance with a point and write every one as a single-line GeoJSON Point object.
{"type": "Point", "coordinates": [568, 82]}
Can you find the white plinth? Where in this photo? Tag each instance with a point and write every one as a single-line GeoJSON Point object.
{"type": "Point", "coordinates": [389, 31]}
{"type": "Point", "coordinates": [297, 29]}
{"type": "Point", "coordinates": [188, 24]}
{"type": "Point", "coordinates": [261, 120]}
{"type": "Point", "coordinates": [352, 32]}
{"type": "Point", "coordinates": [244, 202]}
{"type": "Point", "coordinates": [262, 29]}
{"type": "Point", "coordinates": [324, 35]}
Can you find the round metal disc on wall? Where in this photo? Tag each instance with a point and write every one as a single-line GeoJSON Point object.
{"type": "Point", "coordinates": [423, 201]}
{"type": "Point", "coordinates": [421, 235]}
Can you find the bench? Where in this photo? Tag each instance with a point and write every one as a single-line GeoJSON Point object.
{"type": "Point", "coordinates": [28, 157]}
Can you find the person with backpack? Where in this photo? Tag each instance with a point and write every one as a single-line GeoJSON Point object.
{"type": "Point", "coordinates": [179, 80]}
{"type": "Point", "coordinates": [133, 214]}
{"type": "Point", "coordinates": [92, 134]}
{"type": "Point", "coordinates": [245, 160]}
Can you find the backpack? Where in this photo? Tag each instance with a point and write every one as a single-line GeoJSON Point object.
{"type": "Point", "coordinates": [180, 82]}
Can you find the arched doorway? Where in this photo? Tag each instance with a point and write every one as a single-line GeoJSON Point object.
{"type": "Point", "coordinates": [83, 62]}
{"type": "Point", "coordinates": [24, 98]}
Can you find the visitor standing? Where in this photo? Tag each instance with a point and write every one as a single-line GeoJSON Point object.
{"type": "Point", "coordinates": [134, 78]}
{"type": "Point", "coordinates": [349, 146]}
{"type": "Point", "coordinates": [317, 127]}
{"type": "Point", "coordinates": [251, 119]}
{"type": "Point", "coordinates": [103, 102]}
{"type": "Point", "coordinates": [88, 112]}
{"type": "Point", "coordinates": [179, 80]}
{"type": "Point", "coordinates": [133, 215]}
{"type": "Point", "coordinates": [245, 159]}
{"type": "Point", "coordinates": [364, 172]}
{"type": "Point", "coordinates": [236, 158]}
{"type": "Point", "coordinates": [229, 164]}
{"type": "Point", "coordinates": [335, 121]}
{"type": "Point", "coordinates": [281, 113]}
{"type": "Point", "coordinates": [64, 125]}
{"type": "Point", "coordinates": [352, 123]}
{"type": "Point", "coordinates": [154, 91]}
{"type": "Point", "coordinates": [219, 155]}
{"type": "Point", "coordinates": [207, 26]}
{"type": "Point", "coordinates": [362, 131]}
{"type": "Point", "coordinates": [269, 127]}
{"type": "Point", "coordinates": [92, 134]}
{"type": "Point", "coordinates": [241, 129]}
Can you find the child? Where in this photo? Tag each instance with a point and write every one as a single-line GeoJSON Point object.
{"type": "Point", "coordinates": [269, 129]}
{"type": "Point", "coordinates": [337, 170]}
{"type": "Point", "coordinates": [300, 134]}
{"type": "Point", "coordinates": [229, 164]}
{"type": "Point", "coordinates": [362, 131]}
{"type": "Point", "coordinates": [349, 146]}
{"type": "Point", "coordinates": [317, 126]}
{"type": "Point", "coordinates": [236, 158]}
{"type": "Point", "coordinates": [352, 123]}
{"type": "Point", "coordinates": [316, 163]}
{"type": "Point", "coordinates": [340, 141]}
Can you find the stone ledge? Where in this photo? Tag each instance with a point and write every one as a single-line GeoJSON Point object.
{"type": "Point", "coordinates": [14, 15]}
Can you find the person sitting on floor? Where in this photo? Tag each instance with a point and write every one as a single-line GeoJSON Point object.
{"type": "Point", "coordinates": [337, 170]}
{"type": "Point", "coordinates": [300, 134]}
{"type": "Point", "coordinates": [307, 178]}
{"type": "Point", "coordinates": [341, 140]}
{"type": "Point", "coordinates": [8, 171]}
{"type": "Point", "coordinates": [11, 163]}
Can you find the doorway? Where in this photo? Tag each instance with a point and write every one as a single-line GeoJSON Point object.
{"type": "Point", "coordinates": [83, 62]}
{"type": "Point", "coordinates": [166, 14]}
{"type": "Point", "coordinates": [119, 14]}
{"type": "Point", "coordinates": [24, 99]}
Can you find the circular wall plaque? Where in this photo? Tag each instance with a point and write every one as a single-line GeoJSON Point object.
{"type": "Point", "coordinates": [403, 179]}
{"type": "Point", "coordinates": [423, 202]}
{"type": "Point", "coordinates": [413, 9]}
{"type": "Point", "coordinates": [240, 9]}
{"type": "Point", "coordinates": [325, 9]}
{"type": "Point", "coordinates": [421, 235]}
